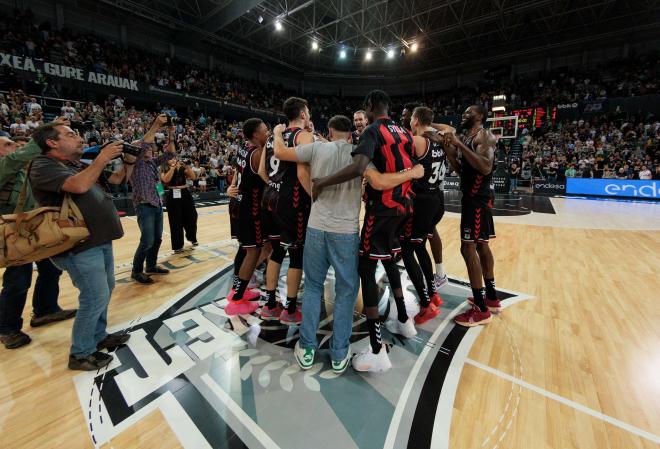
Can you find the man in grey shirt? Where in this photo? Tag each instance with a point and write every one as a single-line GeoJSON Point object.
{"type": "Point", "coordinates": [332, 240]}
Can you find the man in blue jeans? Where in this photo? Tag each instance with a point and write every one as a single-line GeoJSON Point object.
{"type": "Point", "coordinates": [90, 264]}
{"type": "Point", "coordinates": [148, 204]}
{"type": "Point", "coordinates": [332, 241]}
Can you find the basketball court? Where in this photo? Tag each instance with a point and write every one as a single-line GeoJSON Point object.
{"type": "Point", "coordinates": [570, 362]}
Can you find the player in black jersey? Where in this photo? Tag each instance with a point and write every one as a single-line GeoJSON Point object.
{"type": "Point", "coordinates": [435, 242]}
{"type": "Point", "coordinates": [428, 207]}
{"type": "Point", "coordinates": [389, 147]}
{"type": "Point", "coordinates": [249, 231]}
{"type": "Point", "coordinates": [360, 122]}
{"type": "Point", "coordinates": [286, 207]}
{"type": "Point", "coordinates": [474, 161]}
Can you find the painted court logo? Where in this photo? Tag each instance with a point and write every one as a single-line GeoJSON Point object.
{"type": "Point", "coordinates": [224, 381]}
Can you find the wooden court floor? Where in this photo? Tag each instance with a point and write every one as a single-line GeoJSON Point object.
{"type": "Point", "coordinates": [576, 367]}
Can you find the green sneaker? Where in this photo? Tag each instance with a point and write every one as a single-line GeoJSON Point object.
{"type": "Point", "coordinates": [304, 356]}
{"type": "Point", "coordinates": [339, 366]}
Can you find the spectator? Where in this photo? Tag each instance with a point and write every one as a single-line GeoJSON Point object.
{"type": "Point", "coordinates": [514, 173]}
{"type": "Point", "coordinates": [67, 111]}
{"type": "Point", "coordinates": [645, 174]}
{"type": "Point", "coordinates": [570, 171]}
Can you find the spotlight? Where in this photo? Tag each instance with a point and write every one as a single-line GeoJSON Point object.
{"type": "Point", "coordinates": [278, 26]}
{"type": "Point", "coordinates": [390, 53]}
{"type": "Point", "coordinates": [260, 19]}
{"type": "Point", "coordinates": [342, 54]}
{"type": "Point", "coordinates": [315, 45]}
{"type": "Point", "coordinates": [413, 47]}
{"type": "Point", "coordinates": [368, 56]}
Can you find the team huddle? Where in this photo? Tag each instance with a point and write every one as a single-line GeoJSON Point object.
{"type": "Point", "coordinates": [293, 191]}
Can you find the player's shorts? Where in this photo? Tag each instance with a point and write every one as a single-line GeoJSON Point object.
{"type": "Point", "coordinates": [233, 218]}
{"type": "Point", "coordinates": [250, 222]}
{"type": "Point", "coordinates": [476, 222]}
{"type": "Point", "coordinates": [293, 226]}
{"type": "Point", "coordinates": [428, 209]}
{"type": "Point", "coordinates": [270, 228]}
{"type": "Point", "coordinates": [379, 239]}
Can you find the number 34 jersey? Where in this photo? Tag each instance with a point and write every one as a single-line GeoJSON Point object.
{"type": "Point", "coordinates": [434, 163]}
{"type": "Point", "coordinates": [283, 183]}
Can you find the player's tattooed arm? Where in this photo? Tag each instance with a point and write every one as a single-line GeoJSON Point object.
{"type": "Point", "coordinates": [481, 159]}
{"type": "Point", "coordinates": [441, 127]}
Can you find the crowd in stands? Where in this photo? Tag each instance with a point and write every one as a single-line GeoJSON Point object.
{"type": "Point", "coordinates": [635, 75]}
{"type": "Point", "coordinates": [204, 143]}
{"type": "Point", "coordinates": [600, 147]}
{"type": "Point", "coordinates": [597, 148]}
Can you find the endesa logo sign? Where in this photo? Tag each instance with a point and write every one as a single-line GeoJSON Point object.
{"type": "Point", "coordinates": [614, 187]}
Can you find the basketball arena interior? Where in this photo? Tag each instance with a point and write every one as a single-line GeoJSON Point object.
{"type": "Point", "coordinates": [339, 224]}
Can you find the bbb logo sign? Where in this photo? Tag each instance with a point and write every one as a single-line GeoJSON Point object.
{"type": "Point", "coordinates": [614, 187]}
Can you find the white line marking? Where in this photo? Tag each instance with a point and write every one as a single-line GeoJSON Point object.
{"type": "Point", "coordinates": [257, 432]}
{"type": "Point", "coordinates": [405, 392]}
{"type": "Point", "coordinates": [579, 407]}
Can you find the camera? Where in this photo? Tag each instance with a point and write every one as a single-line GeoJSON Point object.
{"type": "Point", "coordinates": [90, 153]}
{"type": "Point", "coordinates": [171, 120]}
{"type": "Point", "coordinates": [133, 150]}
{"type": "Point", "coordinates": [81, 126]}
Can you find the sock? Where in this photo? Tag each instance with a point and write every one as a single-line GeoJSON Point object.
{"type": "Point", "coordinates": [490, 289]}
{"type": "Point", "coordinates": [272, 300]}
{"type": "Point", "coordinates": [235, 283]}
{"type": "Point", "coordinates": [440, 269]}
{"type": "Point", "coordinates": [425, 299]}
{"type": "Point", "coordinates": [374, 335]}
{"type": "Point", "coordinates": [242, 286]}
{"type": "Point", "coordinates": [401, 309]}
{"type": "Point", "coordinates": [478, 295]}
{"type": "Point", "coordinates": [291, 304]}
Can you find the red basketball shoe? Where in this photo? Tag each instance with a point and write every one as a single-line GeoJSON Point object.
{"type": "Point", "coordinates": [473, 317]}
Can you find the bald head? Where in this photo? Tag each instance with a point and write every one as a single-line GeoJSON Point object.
{"type": "Point", "coordinates": [7, 146]}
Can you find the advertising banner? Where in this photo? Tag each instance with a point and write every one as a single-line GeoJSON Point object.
{"type": "Point", "coordinates": [614, 188]}
{"type": "Point", "coordinates": [48, 68]}
{"type": "Point", "coordinates": [549, 187]}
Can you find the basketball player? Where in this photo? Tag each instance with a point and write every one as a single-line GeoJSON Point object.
{"type": "Point", "coordinates": [435, 242]}
{"type": "Point", "coordinates": [360, 122]}
{"type": "Point", "coordinates": [429, 207]}
{"type": "Point", "coordinates": [286, 207]}
{"type": "Point", "coordinates": [232, 192]}
{"type": "Point", "coordinates": [390, 147]}
{"type": "Point", "coordinates": [249, 231]}
{"type": "Point", "coordinates": [475, 165]}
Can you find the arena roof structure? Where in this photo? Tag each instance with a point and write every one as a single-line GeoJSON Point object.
{"type": "Point", "coordinates": [396, 36]}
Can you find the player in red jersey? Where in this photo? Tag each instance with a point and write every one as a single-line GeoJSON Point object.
{"type": "Point", "coordinates": [474, 161]}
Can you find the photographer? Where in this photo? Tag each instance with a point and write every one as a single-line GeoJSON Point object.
{"type": "Point", "coordinates": [148, 205]}
{"type": "Point", "coordinates": [181, 211]}
{"type": "Point", "coordinates": [15, 154]}
{"type": "Point", "coordinates": [91, 264]}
